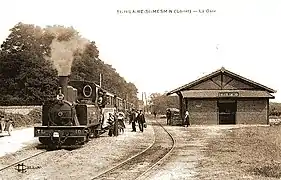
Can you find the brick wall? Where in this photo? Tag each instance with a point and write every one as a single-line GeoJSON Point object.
{"type": "Point", "coordinates": [252, 111]}
{"type": "Point", "coordinates": [203, 112]}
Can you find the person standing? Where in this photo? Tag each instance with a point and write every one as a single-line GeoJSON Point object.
{"type": "Point", "coordinates": [133, 120]}
{"type": "Point", "coordinates": [169, 116]}
{"type": "Point", "coordinates": [141, 120]}
{"type": "Point", "coordinates": [2, 123]}
{"type": "Point", "coordinates": [186, 119]}
{"type": "Point", "coordinates": [155, 114]}
{"type": "Point", "coordinates": [111, 124]}
{"type": "Point", "coordinates": [127, 116]}
{"type": "Point", "coordinates": [121, 119]}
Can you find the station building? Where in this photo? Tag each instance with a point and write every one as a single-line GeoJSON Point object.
{"type": "Point", "coordinates": [224, 97]}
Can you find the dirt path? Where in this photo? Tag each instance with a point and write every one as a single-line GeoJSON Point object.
{"type": "Point", "coordinates": [84, 163]}
{"type": "Point", "coordinates": [136, 166]}
{"type": "Point", "coordinates": [201, 152]}
{"type": "Point", "coordinates": [19, 139]}
{"type": "Point", "coordinates": [212, 152]}
{"type": "Point", "coordinates": [182, 163]}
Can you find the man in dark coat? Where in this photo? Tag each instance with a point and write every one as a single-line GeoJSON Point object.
{"type": "Point", "coordinates": [111, 124]}
{"type": "Point", "coordinates": [141, 120]}
{"type": "Point", "coordinates": [102, 100]}
{"type": "Point", "coordinates": [169, 116]}
{"type": "Point", "coordinates": [155, 114]}
{"type": "Point", "coordinates": [133, 120]}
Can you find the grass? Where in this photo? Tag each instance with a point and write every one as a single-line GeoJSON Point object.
{"type": "Point", "coordinates": [246, 151]}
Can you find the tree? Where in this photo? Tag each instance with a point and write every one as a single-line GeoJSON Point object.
{"type": "Point", "coordinates": [274, 109]}
{"type": "Point", "coordinates": [88, 66]}
{"type": "Point", "coordinates": [132, 91]}
{"type": "Point", "coordinates": [27, 77]}
{"type": "Point", "coordinates": [84, 66]}
{"type": "Point", "coordinates": [160, 102]}
{"type": "Point", "coordinates": [31, 58]}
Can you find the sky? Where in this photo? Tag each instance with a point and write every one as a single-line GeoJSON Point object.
{"type": "Point", "coordinates": [159, 52]}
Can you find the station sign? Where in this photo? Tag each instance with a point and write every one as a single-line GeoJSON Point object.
{"type": "Point", "coordinates": [228, 94]}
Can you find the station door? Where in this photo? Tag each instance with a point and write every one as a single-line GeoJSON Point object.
{"type": "Point", "coordinates": [227, 111]}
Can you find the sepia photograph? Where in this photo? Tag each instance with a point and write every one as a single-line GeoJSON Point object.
{"type": "Point", "coordinates": [140, 90]}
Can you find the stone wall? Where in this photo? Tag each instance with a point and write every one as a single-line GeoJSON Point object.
{"type": "Point", "coordinates": [19, 109]}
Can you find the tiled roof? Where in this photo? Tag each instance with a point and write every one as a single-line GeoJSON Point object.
{"type": "Point", "coordinates": [216, 73]}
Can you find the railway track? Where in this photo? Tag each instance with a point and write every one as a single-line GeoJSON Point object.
{"type": "Point", "coordinates": [138, 165]}
{"type": "Point", "coordinates": [22, 160]}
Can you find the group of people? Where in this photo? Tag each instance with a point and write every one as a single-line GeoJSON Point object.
{"type": "Point", "coordinates": [118, 117]}
{"type": "Point", "coordinates": [137, 117]}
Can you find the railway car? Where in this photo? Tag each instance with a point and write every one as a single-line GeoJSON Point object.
{"type": "Point", "coordinates": [75, 115]}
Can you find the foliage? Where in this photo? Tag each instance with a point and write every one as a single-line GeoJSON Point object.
{"type": "Point", "coordinates": [33, 117]}
{"type": "Point", "coordinates": [87, 66]}
{"type": "Point", "coordinates": [26, 76]}
{"type": "Point", "coordinates": [160, 102]}
{"type": "Point", "coordinates": [274, 109]}
{"type": "Point", "coordinates": [31, 58]}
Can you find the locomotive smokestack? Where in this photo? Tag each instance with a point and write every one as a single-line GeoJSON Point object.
{"type": "Point", "coordinates": [63, 81]}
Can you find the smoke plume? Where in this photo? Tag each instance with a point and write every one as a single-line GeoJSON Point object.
{"type": "Point", "coordinates": [66, 42]}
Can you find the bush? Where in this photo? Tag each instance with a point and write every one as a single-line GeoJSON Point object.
{"type": "Point", "coordinates": [33, 117]}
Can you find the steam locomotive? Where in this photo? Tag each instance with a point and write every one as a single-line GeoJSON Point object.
{"type": "Point", "coordinates": [77, 113]}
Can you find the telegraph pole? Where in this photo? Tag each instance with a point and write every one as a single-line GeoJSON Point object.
{"type": "Point", "coordinates": [145, 102]}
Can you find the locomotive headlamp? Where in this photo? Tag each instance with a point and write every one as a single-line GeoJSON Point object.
{"type": "Point", "coordinates": [60, 114]}
{"type": "Point", "coordinates": [60, 96]}
{"type": "Point", "coordinates": [56, 134]}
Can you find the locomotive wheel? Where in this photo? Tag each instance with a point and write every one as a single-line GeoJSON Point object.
{"type": "Point", "coordinates": [77, 141]}
{"type": "Point", "coordinates": [44, 140]}
{"type": "Point", "coordinates": [10, 129]}
{"type": "Point", "coordinates": [87, 138]}
{"type": "Point", "coordinates": [96, 133]}
{"type": "Point", "coordinates": [91, 133]}
{"type": "Point", "coordinates": [110, 132]}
